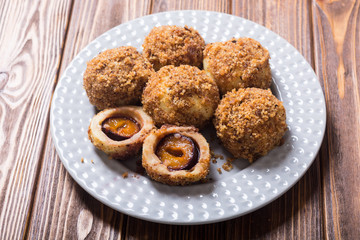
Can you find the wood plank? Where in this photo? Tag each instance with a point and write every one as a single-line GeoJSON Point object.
{"type": "Point", "coordinates": [209, 5]}
{"type": "Point", "coordinates": [62, 210]}
{"type": "Point", "coordinates": [297, 213]}
{"type": "Point", "coordinates": [31, 36]}
{"type": "Point", "coordinates": [337, 40]}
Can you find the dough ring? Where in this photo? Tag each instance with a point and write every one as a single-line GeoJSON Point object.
{"type": "Point", "coordinates": [120, 147]}
{"type": "Point", "coordinates": [173, 174]}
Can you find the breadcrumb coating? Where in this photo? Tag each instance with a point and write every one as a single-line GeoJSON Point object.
{"type": "Point", "coordinates": [174, 45]}
{"type": "Point", "coordinates": [238, 63]}
{"type": "Point", "coordinates": [250, 122]}
{"type": "Point", "coordinates": [181, 95]}
{"type": "Point", "coordinates": [116, 77]}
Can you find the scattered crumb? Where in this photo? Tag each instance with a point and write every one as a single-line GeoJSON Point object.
{"type": "Point", "coordinates": [212, 153]}
{"type": "Point", "coordinates": [82, 160]}
{"type": "Point", "coordinates": [219, 170]}
{"type": "Point", "coordinates": [135, 176]}
{"type": "Point", "coordinates": [92, 161]}
{"type": "Point", "coordinates": [215, 157]}
{"type": "Point", "coordinates": [227, 166]}
{"type": "Point", "coordinates": [125, 174]}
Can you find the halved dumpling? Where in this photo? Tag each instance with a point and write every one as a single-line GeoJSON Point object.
{"type": "Point", "coordinates": [120, 132]}
{"type": "Point", "coordinates": [176, 155]}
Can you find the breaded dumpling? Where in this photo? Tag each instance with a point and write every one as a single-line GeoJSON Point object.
{"type": "Point", "coordinates": [116, 77]}
{"type": "Point", "coordinates": [181, 95]}
{"type": "Point", "coordinates": [176, 155]}
{"type": "Point", "coordinates": [250, 122]}
{"type": "Point", "coordinates": [120, 132]}
{"type": "Point", "coordinates": [238, 63]}
{"type": "Point", "coordinates": [174, 45]}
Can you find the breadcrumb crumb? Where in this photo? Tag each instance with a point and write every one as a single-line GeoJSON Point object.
{"type": "Point", "coordinates": [125, 175]}
{"type": "Point", "coordinates": [136, 176]}
{"type": "Point", "coordinates": [227, 166]}
{"type": "Point", "coordinates": [219, 156]}
{"type": "Point", "coordinates": [219, 170]}
{"type": "Point", "coordinates": [82, 160]}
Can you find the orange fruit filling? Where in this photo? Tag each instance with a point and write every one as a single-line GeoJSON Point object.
{"type": "Point", "coordinates": [177, 152]}
{"type": "Point", "coordinates": [120, 128]}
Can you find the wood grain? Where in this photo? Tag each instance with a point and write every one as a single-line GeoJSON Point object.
{"type": "Point", "coordinates": [62, 210]}
{"type": "Point", "coordinates": [31, 37]}
{"type": "Point", "coordinates": [209, 5]}
{"type": "Point", "coordinates": [337, 55]}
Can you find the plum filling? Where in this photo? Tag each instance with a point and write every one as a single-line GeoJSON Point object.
{"type": "Point", "coordinates": [177, 152]}
{"type": "Point", "coordinates": [120, 128]}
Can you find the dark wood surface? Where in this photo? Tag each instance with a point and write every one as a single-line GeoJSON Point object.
{"type": "Point", "coordinates": [39, 199]}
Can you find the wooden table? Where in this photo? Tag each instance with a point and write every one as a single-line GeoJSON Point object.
{"type": "Point", "coordinates": [39, 199]}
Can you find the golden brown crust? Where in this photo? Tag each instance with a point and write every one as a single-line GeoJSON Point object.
{"type": "Point", "coordinates": [125, 148]}
{"type": "Point", "coordinates": [181, 95]}
{"type": "Point", "coordinates": [159, 172]}
{"type": "Point", "coordinates": [116, 77]}
{"type": "Point", "coordinates": [173, 45]}
{"type": "Point", "coordinates": [250, 122]}
{"type": "Point", "coordinates": [238, 63]}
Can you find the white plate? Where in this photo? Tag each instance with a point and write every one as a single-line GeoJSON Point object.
{"type": "Point", "coordinates": [227, 195]}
